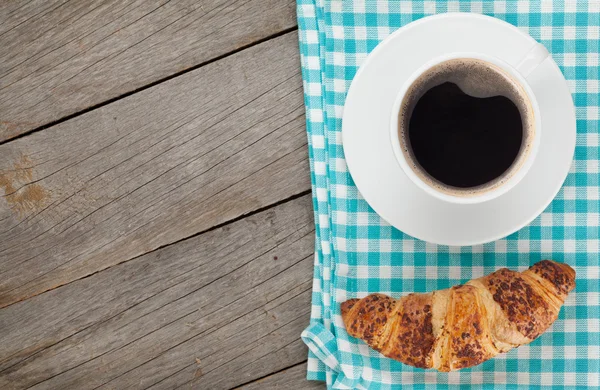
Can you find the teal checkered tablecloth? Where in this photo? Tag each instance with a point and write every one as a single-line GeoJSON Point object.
{"type": "Point", "coordinates": [358, 253]}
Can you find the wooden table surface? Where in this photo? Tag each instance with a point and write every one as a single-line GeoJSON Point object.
{"type": "Point", "coordinates": [156, 226]}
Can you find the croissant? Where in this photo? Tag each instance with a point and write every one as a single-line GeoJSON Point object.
{"type": "Point", "coordinates": [465, 325]}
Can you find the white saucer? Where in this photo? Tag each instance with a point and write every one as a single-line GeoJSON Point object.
{"type": "Point", "coordinates": [367, 144]}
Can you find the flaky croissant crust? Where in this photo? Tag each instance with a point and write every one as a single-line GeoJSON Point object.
{"type": "Point", "coordinates": [465, 325]}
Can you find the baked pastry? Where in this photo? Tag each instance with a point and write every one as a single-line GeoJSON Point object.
{"type": "Point", "coordinates": [464, 325]}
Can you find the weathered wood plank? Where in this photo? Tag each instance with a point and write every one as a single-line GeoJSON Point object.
{"type": "Point", "coordinates": [16, 13]}
{"type": "Point", "coordinates": [214, 311]}
{"type": "Point", "coordinates": [291, 378]}
{"type": "Point", "coordinates": [153, 168]}
{"type": "Point", "coordinates": [59, 57]}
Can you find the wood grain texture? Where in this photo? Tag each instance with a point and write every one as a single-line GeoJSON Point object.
{"type": "Point", "coordinates": [291, 378]}
{"type": "Point", "coordinates": [151, 169]}
{"type": "Point", "coordinates": [214, 311]}
{"type": "Point", "coordinates": [58, 57]}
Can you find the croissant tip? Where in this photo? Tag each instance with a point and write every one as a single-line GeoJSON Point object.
{"type": "Point", "coordinates": [567, 268]}
{"type": "Point", "coordinates": [562, 275]}
{"type": "Point", "coordinates": [346, 306]}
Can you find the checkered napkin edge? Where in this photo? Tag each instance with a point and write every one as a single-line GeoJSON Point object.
{"type": "Point", "coordinates": [357, 253]}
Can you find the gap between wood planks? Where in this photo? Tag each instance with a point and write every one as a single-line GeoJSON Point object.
{"type": "Point", "coordinates": [262, 378]}
{"type": "Point", "coordinates": [104, 188]}
{"type": "Point", "coordinates": [150, 85]}
{"type": "Point", "coordinates": [166, 354]}
{"type": "Point", "coordinates": [296, 196]}
{"type": "Point", "coordinates": [114, 47]}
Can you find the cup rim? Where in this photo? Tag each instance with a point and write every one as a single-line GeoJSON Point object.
{"type": "Point", "coordinates": [513, 180]}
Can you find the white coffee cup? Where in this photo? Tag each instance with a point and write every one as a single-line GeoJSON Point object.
{"type": "Point", "coordinates": [519, 76]}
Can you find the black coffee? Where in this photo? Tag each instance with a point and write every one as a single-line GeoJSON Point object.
{"type": "Point", "coordinates": [465, 126]}
{"type": "Point", "coordinates": [464, 141]}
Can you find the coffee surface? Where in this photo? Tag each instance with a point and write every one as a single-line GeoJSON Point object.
{"type": "Point", "coordinates": [464, 141]}
{"type": "Point", "coordinates": [465, 126]}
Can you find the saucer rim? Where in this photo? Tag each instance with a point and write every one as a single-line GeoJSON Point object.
{"type": "Point", "coordinates": [493, 235]}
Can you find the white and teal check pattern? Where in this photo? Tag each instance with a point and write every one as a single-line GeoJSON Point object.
{"type": "Point", "coordinates": [358, 253]}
